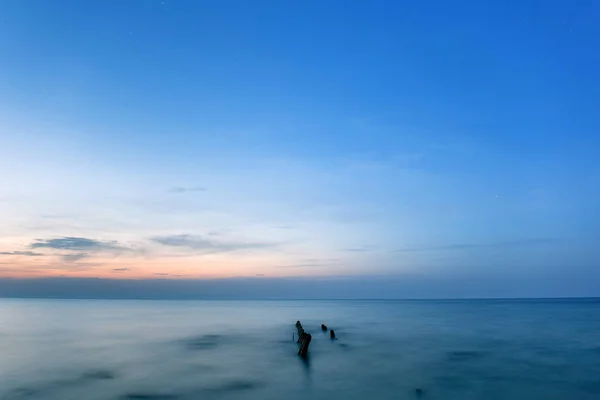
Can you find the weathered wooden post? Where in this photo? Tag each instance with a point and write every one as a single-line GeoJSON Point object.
{"type": "Point", "coordinates": [303, 351]}
{"type": "Point", "coordinates": [324, 327]}
{"type": "Point", "coordinates": [332, 334]}
{"type": "Point", "coordinates": [303, 339]}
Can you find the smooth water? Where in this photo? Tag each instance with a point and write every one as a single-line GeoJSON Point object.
{"type": "Point", "coordinates": [92, 349]}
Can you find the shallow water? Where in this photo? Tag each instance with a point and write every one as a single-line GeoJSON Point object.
{"type": "Point", "coordinates": [93, 349]}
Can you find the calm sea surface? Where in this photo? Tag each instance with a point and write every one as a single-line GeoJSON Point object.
{"type": "Point", "coordinates": [92, 349]}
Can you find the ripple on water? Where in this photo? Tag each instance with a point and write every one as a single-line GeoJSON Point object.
{"type": "Point", "coordinates": [465, 355]}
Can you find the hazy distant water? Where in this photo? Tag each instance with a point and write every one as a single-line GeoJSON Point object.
{"type": "Point", "coordinates": [83, 349]}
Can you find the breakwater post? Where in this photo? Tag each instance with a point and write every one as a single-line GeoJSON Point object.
{"type": "Point", "coordinates": [303, 340]}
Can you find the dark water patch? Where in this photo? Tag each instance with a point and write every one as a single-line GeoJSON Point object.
{"type": "Point", "coordinates": [236, 386]}
{"type": "Point", "coordinates": [42, 390]}
{"type": "Point", "coordinates": [465, 355]}
{"type": "Point", "coordinates": [452, 382]}
{"type": "Point", "coordinates": [595, 350]}
{"type": "Point", "coordinates": [240, 385]}
{"type": "Point", "coordinates": [217, 391]}
{"type": "Point", "coordinates": [554, 370]}
{"type": "Point", "coordinates": [85, 378]}
{"type": "Point", "coordinates": [546, 351]}
{"type": "Point", "coordinates": [214, 341]}
{"type": "Point", "coordinates": [20, 393]}
{"type": "Point", "coordinates": [149, 396]}
{"type": "Point", "coordinates": [98, 375]}
{"type": "Point", "coordinates": [204, 342]}
{"type": "Point", "coordinates": [591, 387]}
{"type": "Point", "coordinates": [202, 368]}
{"type": "Point", "coordinates": [345, 346]}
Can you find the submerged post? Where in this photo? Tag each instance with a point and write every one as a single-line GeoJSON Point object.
{"type": "Point", "coordinates": [303, 340]}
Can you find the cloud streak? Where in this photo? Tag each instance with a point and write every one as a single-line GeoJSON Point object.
{"type": "Point", "coordinates": [183, 189]}
{"type": "Point", "coordinates": [313, 263]}
{"type": "Point", "coordinates": [74, 249]}
{"type": "Point", "coordinates": [307, 265]}
{"type": "Point", "coordinates": [21, 253]}
{"type": "Point", "coordinates": [468, 246]}
{"type": "Point", "coordinates": [207, 246]}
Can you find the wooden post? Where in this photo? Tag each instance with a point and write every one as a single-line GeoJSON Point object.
{"type": "Point", "coordinates": [324, 327]}
{"type": "Point", "coordinates": [303, 339]}
{"type": "Point", "coordinates": [332, 334]}
{"type": "Point", "coordinates": [303, 351]}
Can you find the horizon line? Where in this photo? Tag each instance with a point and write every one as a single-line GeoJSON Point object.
{"type": "Point", "coordinates": [304, 299]}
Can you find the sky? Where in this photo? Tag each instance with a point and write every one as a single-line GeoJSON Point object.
{"type": "Point", "coordinates": [381, 148]}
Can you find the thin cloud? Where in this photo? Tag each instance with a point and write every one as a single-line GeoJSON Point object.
{"type": "Point", "coordinates": [164, 274]}
{"type": "Point", "coordinates": [467, 246]}
{"type": "Point", "coordinates": [320, 260]}
{"type": "Point", "coordinates": [21, 253]}
{"type": "Point", "coordinates": [84, 266]}
{"type": "Point", "coordinates": [74, 257]}
{"type": "Point", "coordinates": [313, 263]}
{"type": "Point", "coordinates": [56, 216]}
{"type": "Point", "coordinates": [306, 265]}
{"type": "Point", "coordinates": [183, 189]}
{"type": "Point", "coordinates": [204, 245]}
{"type": "Point", "coordinates": [220, 232]}
{"type": "Point", "coordinates": [121, 269]}
{"type": "Point", "coordinates": [285, 227]}
{"type": "Point", "coordinates": [360, 249]}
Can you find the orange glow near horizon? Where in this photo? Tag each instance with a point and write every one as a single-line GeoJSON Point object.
{"type": "Point", "coordinates": [208, 267]}
{"type": "Point", "coordinates": [181, 256]}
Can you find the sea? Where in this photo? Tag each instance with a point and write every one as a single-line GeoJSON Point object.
{"type": "Point", "coordinates": [205, 350]}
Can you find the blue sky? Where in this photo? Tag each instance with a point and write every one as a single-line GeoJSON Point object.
{"type": "Point", "coordinates": [204, 139]}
